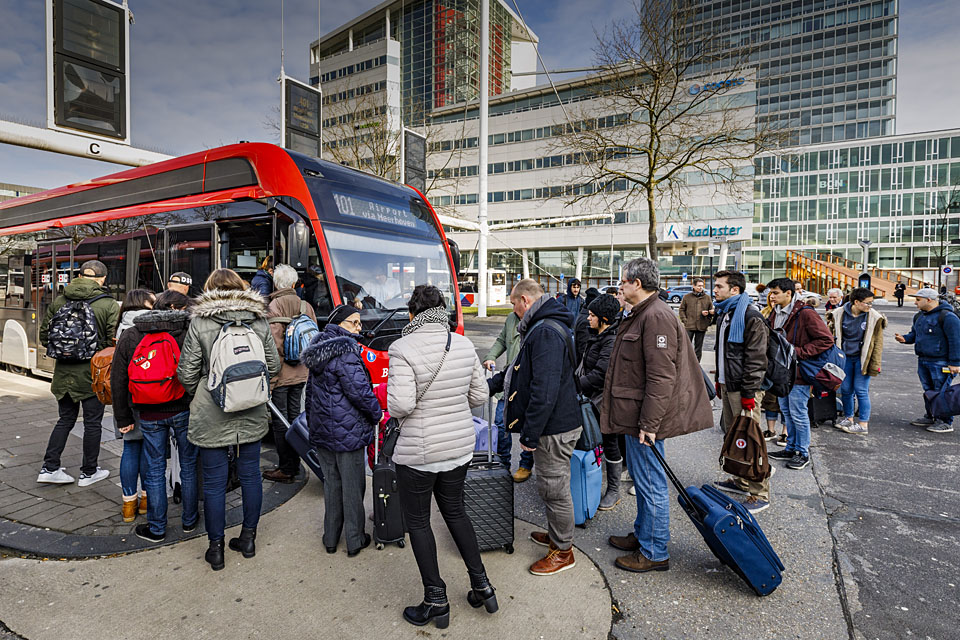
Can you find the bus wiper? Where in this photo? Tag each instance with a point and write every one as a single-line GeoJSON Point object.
{"type": "Point", "coordinates": [373, 332]}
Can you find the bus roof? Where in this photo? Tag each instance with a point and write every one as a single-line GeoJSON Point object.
{"type": "Point", "coordinates": [255, 169]}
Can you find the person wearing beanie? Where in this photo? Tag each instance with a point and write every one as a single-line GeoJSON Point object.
{"type": "Point", "coordinates": [602, 317]}
{"type": "Point", "coordinates": [581, 327]}
{"type": "Point", "coordinates": [572, 299]}
{"type": "Point", "coordinates": [936, 339]}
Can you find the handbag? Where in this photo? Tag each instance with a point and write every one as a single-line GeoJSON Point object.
{"type": "Point", "coordinates": [824, 371]}
{"type": "Point", "coordinates": [391, 432]}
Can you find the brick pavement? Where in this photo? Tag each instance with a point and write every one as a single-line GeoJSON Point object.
{"type": "Point", "coordinates": [27, 414]}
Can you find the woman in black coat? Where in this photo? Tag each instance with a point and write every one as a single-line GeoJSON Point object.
{"type": "Point", "coordinates": [602, 316]}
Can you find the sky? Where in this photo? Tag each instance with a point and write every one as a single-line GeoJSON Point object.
{"type": "Point", "coordinates": [204, 71]}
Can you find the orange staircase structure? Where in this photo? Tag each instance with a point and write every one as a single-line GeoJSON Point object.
{"type": "Point", "coordinates": [824, 271]}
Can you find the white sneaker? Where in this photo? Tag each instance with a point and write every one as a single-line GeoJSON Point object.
{"type": "Point", "coordinates": [844, 424]}
{"type": "Point", "coordinates": [86, 481]}
{"type": "Point", "coordinates": [60, 476]}
{"type": "Point", "coordinates": [632, 490]}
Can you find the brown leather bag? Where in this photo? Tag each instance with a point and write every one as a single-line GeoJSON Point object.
{"type": "Point", "coordinates": [100, 366]}
{"type": "Point", "coordinates": [744, 452]}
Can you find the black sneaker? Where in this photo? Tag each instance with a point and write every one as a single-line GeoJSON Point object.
{"type": "Point", "coordinates": [781, 440]}
{"type": "Point", "coordinates": [799, 461]}
{"type": "Point", "coordinates": [781, 455]}
{"type": "Point", "coordinates": [191, 527]}
{"type": "Point", "coordinates": [769, 435]}
{"type": "Point", "coordinates": [143, 532]}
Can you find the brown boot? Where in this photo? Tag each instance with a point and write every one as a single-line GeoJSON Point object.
{"type": "Point", "coordinates": [522, 474]}
{"type": "Point", "coordinates": [624, 543]}
{"type": "Point", "coordinates": [142, 509]}
{"type": "Point", "coordinates": [129, 509]}
{"type": "Point", "coordinates": [277, 476]}
{"type": "Point", "coordinates": [542, 538]}
{"type": "Point", "coordinates": [555, 561]}
{"type": "Point", "coordinates": [638, 563]}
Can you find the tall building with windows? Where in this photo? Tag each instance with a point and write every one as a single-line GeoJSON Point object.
{"type": "Point", "coordinates": [825, 68]}
{"type": "Point", "coordinates": [900, 192]}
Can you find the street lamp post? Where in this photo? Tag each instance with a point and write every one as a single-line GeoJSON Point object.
{"type": "Point", "coordinates": [864, 279]}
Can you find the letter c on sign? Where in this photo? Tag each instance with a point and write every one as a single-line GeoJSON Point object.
{"type": "Point", "coordinates": [94, 149]}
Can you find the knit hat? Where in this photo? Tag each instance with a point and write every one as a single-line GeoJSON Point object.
{"type": "Point", "coordinates": [341, 313]}
{"type": "Point", "coordinates": [591, 295]}
{"type": "Point", "coordinates": [605, 307]}
{"type": "Point", "coordinates": [928, 293]}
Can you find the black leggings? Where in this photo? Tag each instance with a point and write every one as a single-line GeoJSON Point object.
{"type": "Point", "coordinates": [416, 488]}
{"type": "Point", "coordinates": [611, 447]}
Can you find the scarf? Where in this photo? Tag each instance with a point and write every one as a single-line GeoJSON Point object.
{"type": "Point", "coordinates": [436, 314]}
{"type": "Point", "coordinates": [738, 304]}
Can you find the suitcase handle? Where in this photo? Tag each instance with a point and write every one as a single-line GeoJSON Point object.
{"type": "Point", "coordinates": [276, 412]}
{"type": "Point", "coordinates": [688, 504]}
{"type": "Point", "coordinates": [490, 416]}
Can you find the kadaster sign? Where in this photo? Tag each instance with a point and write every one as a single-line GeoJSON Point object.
{"type": "Point", "coordinates": [700, 231]}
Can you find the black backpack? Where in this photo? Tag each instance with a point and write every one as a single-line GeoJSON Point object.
{"type": "Point", "coordinates": [781, 364]}
{"type": "Point", "coordinates": [73, 335]}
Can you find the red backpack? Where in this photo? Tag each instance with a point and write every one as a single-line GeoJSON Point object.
{"type": "Point", "coordinates": [153, 370]}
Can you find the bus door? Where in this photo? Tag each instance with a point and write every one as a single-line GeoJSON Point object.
{"type": "Point", "coordinates": [53, 267]}
{"type": "Point", "coordinates": [246, 243]}
{"type": "Point", "coordinates": [190, 249]}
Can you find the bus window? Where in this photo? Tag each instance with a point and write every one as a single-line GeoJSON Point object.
{"type": "Point", "coordinates": [245, 244]}
{"type": "Point", "coordinates": [315, 288]}
{"type": "Point", "coordinates": [17, 293]}
{"type": "Point", "coordinates": [112, 253]}
{"type": "Point", "coordinates": [149, 256]}
{"type": "Point", "coordinates": [191, 251]}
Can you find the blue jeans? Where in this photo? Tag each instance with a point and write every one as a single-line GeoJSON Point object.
{"type": "Point", "coordinates": [133, 464]}
{"type": "Point", "coordinates": [932, 378]}
{"type": "Point", "coordinates": [155, 434]}
{"type": "Point", "coordinates": [855, 384]}
{"type": "Point", "coordinates": [505, 442]}
{"type": "Point", "coordinates": [796, 418]}
{"type": "Point", "coordinates": [215, 471]}
{"type": "Point", "coordinates": [652, 526]}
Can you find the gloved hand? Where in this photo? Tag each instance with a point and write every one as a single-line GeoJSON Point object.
{"type": "Point", "coordinates": [748, 404]}
{"type": "Point", "coordinates": [716, 386]}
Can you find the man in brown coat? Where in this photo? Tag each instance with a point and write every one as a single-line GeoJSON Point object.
{"type": "Point", "coordinates": [654, 390]}
{"type": "Point", "coordinates": [695, 314]}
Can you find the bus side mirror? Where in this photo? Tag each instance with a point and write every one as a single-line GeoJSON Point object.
{"type": "Point", "coordinates": [298, 245]}
{"type": "Point", "coordinates": [455, 252]}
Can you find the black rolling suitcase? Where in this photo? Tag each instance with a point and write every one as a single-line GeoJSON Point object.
{"type": "Point", "coordinates": [387, 513]}
{"type": "Point", "coordinates": [298, 437]}
{"type": "Point", "coordinates": [488, 496]}
{"type": "Point", "coordinates": [822, 408]}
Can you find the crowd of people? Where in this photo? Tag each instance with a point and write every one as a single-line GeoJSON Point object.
{"type": "Point", "coordinates": [634, 359]}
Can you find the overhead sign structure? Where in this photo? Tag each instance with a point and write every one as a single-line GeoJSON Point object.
{"type": "Point", "coordinates": [302, 111]}
{"type": "Point", "coordinates": [88, 65]}
{"type": "Point", "coordinates": [414, 160]}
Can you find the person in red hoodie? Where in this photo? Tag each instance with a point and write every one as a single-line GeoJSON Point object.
{"type": "Point", "coordinates": [810, 337]}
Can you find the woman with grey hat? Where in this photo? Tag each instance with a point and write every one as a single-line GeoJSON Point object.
{"type": "Point", "coordinates": [602, 316]}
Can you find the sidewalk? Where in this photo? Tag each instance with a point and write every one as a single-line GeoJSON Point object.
{"type": "Point", "coordinates": [66, 521]}
{"type": "Point", "coordinates": [293, 589]}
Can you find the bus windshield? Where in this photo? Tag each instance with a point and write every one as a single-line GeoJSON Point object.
{"type": "Point", "coordinates": [378, 271]}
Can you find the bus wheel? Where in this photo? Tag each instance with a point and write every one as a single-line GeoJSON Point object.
{"type": "Point", "coordinates": [20, 371]}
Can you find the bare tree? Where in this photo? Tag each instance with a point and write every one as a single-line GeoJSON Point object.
{"type": "Point", "coordinates": [948, 202]}
{"type": "Point", "coordinates": [659, 128]}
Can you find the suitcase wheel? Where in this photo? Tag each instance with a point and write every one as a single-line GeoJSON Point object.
{"type": "Point", "coordinates": [379, 546]}
{"type": "Point", "coordinates": [508, 548]}
{"type": "Point", "coordinates": [401, 544]}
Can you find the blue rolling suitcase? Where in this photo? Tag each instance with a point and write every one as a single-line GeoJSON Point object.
{"type": "Point", "coordinates": [484, 433]}
{"type": "Point", "coordinates": [586, 484]}
{"type": "Point", "coordinates": [298, 437]}
{"type": "Point", "coordinates": [732, 533]}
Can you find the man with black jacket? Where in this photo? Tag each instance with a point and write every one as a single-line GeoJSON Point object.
{"type": "Point", "coordinates": [581, 325]}
{"type": "Point", "coordinates": [541, 398]}
{"type": "Point", "coordinates": [741, 367]}
{"type": "Point", "coordinates": [695, 315]}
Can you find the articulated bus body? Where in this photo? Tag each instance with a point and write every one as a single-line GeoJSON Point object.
{"type": "Point", "coordinates": [353, 238]}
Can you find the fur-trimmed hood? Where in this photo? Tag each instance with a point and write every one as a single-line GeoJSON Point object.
{"type": "Point", "coordinates": [218, 302]}
{"type": "Point", "coordinates": [333, 342]}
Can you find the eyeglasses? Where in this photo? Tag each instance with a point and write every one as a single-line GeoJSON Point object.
{"type": "Point", "coordinates": [356, 323]}
{"type": "Point", "coordinates": [866, 304]}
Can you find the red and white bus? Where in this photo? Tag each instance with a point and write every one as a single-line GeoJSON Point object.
{"type": "Point", "coordinates": [352, 237]}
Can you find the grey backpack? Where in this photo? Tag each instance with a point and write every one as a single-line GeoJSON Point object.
{"type": "Point", "coordinates": [238, 379]}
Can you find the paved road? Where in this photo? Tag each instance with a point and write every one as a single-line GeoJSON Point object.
{"type": "Point", "coordinates": [870, 532]}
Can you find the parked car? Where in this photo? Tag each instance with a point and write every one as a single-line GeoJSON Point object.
{"type": "Point", "coordinates": [675, 294]}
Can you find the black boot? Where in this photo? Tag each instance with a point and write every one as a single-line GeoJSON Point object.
{"type": "Point", "coordinates": [482, 593]}
{"type": "Point", "coordinates": [214, 554]}
{"type": "Point", "coordinates": [245, 543]}
{"type": "Point", "coordinates": [434, 607]}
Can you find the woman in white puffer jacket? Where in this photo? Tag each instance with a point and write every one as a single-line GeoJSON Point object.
{"type": "Point", "coordinates": [430, 390]}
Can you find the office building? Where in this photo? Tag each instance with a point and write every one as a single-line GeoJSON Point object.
{"type": "Point", "coordinates": [826, 68]}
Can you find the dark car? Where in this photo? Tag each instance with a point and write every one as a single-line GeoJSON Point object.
{"type": "Point", "coordinates": [675, 294]}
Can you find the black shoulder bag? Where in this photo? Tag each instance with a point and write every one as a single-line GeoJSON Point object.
{"type": "Point", "coordinates": [391, 431]}
{"type": "Point", "coordinates": [590, 437]}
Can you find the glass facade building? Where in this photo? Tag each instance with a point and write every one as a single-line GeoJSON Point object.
{"type": "Point", "coordinates": [900, 192]}
{"type": "Point", "coordinates": [825, 68]}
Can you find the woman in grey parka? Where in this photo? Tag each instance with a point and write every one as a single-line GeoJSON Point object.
{"type": "Point", "coordinates": [225, 299]}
